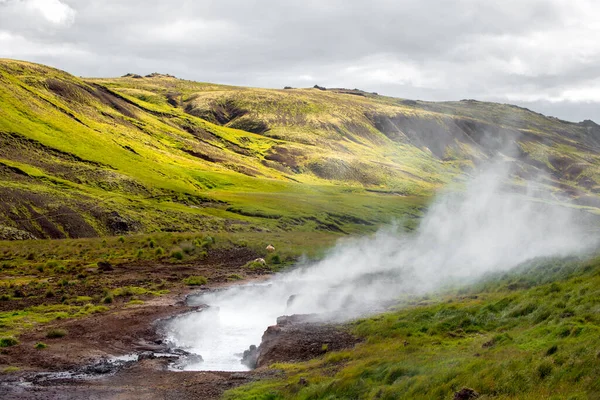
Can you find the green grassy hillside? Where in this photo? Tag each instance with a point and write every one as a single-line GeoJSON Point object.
{"type": "Point", "coordinates": [532, 333]}
{"type": "Point", "coordinates": [92, 157]}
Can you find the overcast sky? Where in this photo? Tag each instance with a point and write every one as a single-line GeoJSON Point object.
{"type": "Point", "coordinates": [542, 54]}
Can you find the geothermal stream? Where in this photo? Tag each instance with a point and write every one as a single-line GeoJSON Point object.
{"type": "Point", "coordinates": [463, 236]}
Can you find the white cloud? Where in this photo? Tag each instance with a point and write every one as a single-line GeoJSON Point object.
{"type": "Point", "coordinates": [16, 46]}
{"type": "Point", "coordinates": [386, 68]}
{"type": "Point", "coordinates": [54, 11]}
{"type": "Point", "coordinates": [515, 50]}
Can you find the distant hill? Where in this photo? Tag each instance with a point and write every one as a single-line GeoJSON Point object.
{"type": "Point", "coordinates": [89, 157]}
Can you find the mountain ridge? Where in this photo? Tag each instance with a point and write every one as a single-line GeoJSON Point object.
{"type": "Point", "coordinates": [97, 156]}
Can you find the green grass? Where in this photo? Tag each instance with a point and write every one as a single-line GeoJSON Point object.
{"type": "Point", "coordinates": [42, 281]}
{"type": "Point", "coordinates": [151, 150]}
{"type": "Point", "coordinates": [529, 334]}
{"type": "Point", "coordinates": [195, 280]}
{"type": "Point", "coordinates": [56, 333]}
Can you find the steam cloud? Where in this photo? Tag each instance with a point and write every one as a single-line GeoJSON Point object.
{"type": "Point", "coordinates": [465, 234]}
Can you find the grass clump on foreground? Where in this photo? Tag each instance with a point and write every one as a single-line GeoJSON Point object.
{"type": "Point", "coordinates": [529, 334]}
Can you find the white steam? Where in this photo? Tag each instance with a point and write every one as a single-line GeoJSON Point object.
{"type": "Point", "coordinates": [464, 234]}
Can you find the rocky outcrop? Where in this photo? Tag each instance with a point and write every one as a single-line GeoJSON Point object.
{"type": "Point", "coordinates": [298, 338]}
{"type": "Point", "coordinates": [9, 233]}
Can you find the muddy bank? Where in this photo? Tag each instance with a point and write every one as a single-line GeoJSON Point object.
{"type": "Point", "coordinates": [298, 338]}
{"type": "Point", "coordinates": [119, 354]}
{"type": "Point", "coordinates": [147, 379]}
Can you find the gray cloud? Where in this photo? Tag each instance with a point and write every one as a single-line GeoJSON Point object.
{"type": "Point", "coordinates": [536, 53]}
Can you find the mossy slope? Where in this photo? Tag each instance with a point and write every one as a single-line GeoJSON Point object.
{"type": "Point", "coordinates": [87, 157]}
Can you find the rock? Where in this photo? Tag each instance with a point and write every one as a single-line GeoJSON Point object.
{"type": "Point", "coordinates": [466, 394]}
{"type": "Point", "coordinates": [105, 266]}
{"type": "Point", "coordinates": [270, 248]}
{"type": "Point", "coordinates": [250, 356]}
{"type": "Point", "coordinates": [295, 338]}
{"type": "Point", "coordinates": [10, 233]}
{"type": "Point", "coordinates": [180, 352]}
{"type": "Point", "coordinates": [188, 359]}
{"type": "Point", "coordinates": [260, 261]}
{"type": "Point", "coordinates": [119, 224]}
{"type": "Point", "coordinates": [295, 319]}
{"type": "Point", "coordinates": [290, 300]}
{"type": "Point", "coordinates": [147, 355]}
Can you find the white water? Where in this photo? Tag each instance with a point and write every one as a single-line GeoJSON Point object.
{"type": "Point", "coordinates": [462, 237]}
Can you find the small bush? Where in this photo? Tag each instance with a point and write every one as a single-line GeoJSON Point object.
{"type": "Point", "coordinates": [5, 297]}
{"type": "Point", "coordinates": [8, 342]}
{"type": "Point", "coordinates": [140, 253]}
{"type": "Point", "coordinates": [523, 310]}
{"type": "Point", "coordinates": [235, 277]}
{"type": "Point", "coordinates": [552, 350]}
{"type": "Point", "coordinates": [544, 370]}
{"type": "Point", "coordinates": [275, 259]}
{"type": "Point", "coordinates": [159, 251]}
{"type": "Point", "coordinates": [49, 293]}
{"type": "Point", "coordinates": [10, 370]}
{"type": "Point", "coordinates": [40, 346]}
{"type": "Point", "coordinates": [195, 280]}
{"type": "Point", "coordinates": [177, 254]}
{"type": "Point", "coordinates": [56, 333]}
{"type": "Point", "coordinates": [187, 247]}
{"type": "Point", "coordinates": [121, 239]}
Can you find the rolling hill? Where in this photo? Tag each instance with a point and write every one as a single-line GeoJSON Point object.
{"type": "Point", "coordinates": [86, 157]}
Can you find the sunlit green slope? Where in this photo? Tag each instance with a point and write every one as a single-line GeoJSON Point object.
{"type": "Point", "coordinates": [87, 157]}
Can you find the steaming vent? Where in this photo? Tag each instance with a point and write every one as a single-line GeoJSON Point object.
{"type": "Point", "coordinates": [464, 235]}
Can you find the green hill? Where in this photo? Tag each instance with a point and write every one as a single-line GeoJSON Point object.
{"type": "Point", "coordinates": [92, 157]}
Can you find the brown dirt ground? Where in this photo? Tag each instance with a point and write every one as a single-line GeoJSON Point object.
{"type": "Point", "coordinates": [120, 331]}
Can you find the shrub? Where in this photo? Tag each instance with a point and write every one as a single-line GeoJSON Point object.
{"type": "Point", "coordinates": [40, 346]}
{"type": "Point", "coordinates": [195, 280]}
{"type": "Point", "coordinates": [8, 342]}
{"type": "Point", "coordinates": [56, 333]}
{"type": "Point", "coordinates": [552, 350]}
{"type": "Point", "coordinates": [523, 310]}
{"type": "Point", "coordinates": [177, 254]}
{"type": "Point", "coordinates": [159, 251]}
{"type": "Point", "coordinates": [235, 277]}
{"type": "Point", "coordinates": [544, 370]}
{"type": "Point", "coordinates": [275, 259]}
{"type": "Point", "coordinates": [187, 247]}
{"type": "Point", "coordinates": [140, 253]}
{"type": "Point", "coordinates": [121, 239]}
{"type": "Point", "coordinates": [5, 297]}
